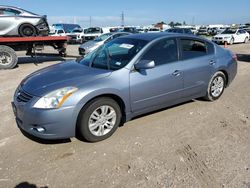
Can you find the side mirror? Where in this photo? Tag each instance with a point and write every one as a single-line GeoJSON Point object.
{"type": "Point", "coordinates": [144, 64]}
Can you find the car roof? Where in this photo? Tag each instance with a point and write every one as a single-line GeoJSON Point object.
{"type": "Point", "coordinates": [12, 7]}
{"type": "Point", "coordinates": [152, 36]}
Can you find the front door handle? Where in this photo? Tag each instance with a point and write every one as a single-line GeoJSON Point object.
{"type": "Point", "coordinates": [176, 73]}
{"type": "Point", "coordinates": [212, 62]}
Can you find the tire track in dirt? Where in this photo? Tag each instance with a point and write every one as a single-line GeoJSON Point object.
{"type": "Point", "coordinates": [197, 166]}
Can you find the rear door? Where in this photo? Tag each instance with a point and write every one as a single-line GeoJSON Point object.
{"type": "Point", "coordinates": [161, 84]}
{"type": "Point", "coordinates": [198, 62]}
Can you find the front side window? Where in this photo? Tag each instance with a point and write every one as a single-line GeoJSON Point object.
{"type": "Point", "coordinates": [164, 51]}
{"type": "Point", "coordinates": [192, 48]}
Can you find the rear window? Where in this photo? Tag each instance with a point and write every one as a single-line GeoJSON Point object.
{"type": "Point", "coordinates": [192, 48]}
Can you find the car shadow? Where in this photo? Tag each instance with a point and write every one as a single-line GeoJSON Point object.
{"type": "Point", "coordinates": [43, 141]}
{"type": "Point", "coordinates": [39, 59]}
{"type": "Point", "coordinates": [28, 185]}
{"type": "Point", "coordinates": [244, 57]}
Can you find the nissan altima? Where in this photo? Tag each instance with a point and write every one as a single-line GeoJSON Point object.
{"type": "Point", "coordinates": [124, 78]}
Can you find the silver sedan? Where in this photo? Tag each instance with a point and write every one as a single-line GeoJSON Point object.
{"type": "Point", "coordinates": [18, 22]}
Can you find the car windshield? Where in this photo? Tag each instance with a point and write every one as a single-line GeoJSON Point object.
{"type": "Point", "coordinates": [103, 37]}
{"type": "Point", "coordinates": [114, 55]}
{"type": "Point", "coordinates": [93, 30]}
{"type": "Point", "coordinates": [229, 31]}
{"type": "Point", "coordinates": [78, 30]}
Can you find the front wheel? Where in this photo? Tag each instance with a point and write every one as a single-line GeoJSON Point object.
{"type": "Point", "coordinates": [216, 86]}
{"type": "Point", "coordinates": [99, 119]}
{"type": "Point", "coordinates": [8, 57]}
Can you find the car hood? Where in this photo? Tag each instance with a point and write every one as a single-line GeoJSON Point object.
{"type": "Point", "coordinates": [90, 44]}
{"type": "Point", "coordinates": [61, 75]}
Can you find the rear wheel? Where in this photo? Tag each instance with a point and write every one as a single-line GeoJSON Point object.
{"type": "Point", "coordinates": [99, 119]}
{"type": "Point", "coordinates": [246, 40]}
{"type": "Point", "coordinates": [27, 30]}
{"type": "Point", "coordinates": [216, 86]}
{"type": "Point", "coordinates": [231, 41]}
{"type": "Point", "coordinates": [8, 57]}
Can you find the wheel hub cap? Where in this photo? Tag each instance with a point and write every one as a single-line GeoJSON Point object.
{"type": "Point", "coordinates": [217, 86]}
{"type": "Point", "coordinates": [102, 120]}
{"type": "Point", "coordinates": [5, 58]}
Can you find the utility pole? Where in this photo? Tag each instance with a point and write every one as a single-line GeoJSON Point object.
{"type": "Point", "coordinates": [90, 21]}
{"type": "Point", "coordinates": [193, 20]}
{"type": "Point", "coordinates": [122, 19]}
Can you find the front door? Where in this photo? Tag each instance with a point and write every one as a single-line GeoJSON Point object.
{"type": "Point", "coordinates": [161, 84]}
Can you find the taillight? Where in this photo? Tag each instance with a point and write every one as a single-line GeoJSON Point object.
{"type": "Point", "coordinates": [234, 56]}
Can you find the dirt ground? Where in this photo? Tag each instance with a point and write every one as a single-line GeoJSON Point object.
{"type": "Point", "coordinates": [196, 144]}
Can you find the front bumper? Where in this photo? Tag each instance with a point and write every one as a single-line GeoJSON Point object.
{"type": "Point", "coordinates": [221, 41]}
{"type": "Point", "coordinates": [44, 123]}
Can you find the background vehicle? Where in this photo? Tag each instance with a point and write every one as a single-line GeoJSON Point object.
{"type": "Point", "coordinates": [180, 30]}
{"type": "Point", "coordinates": [232, 36]}
{"type": "Point", "coordinates": [66, 27]}
{"type": "Point", "coordinates": [94, 44]}
{"type": "Point", "coordinates": [18, 22]}
{"type": "Point", "coordinates": [76, 36]}
{"type": "Point", "coordinates": [246, 28]}
{"type": "Point", "coordinates": [153, 30]}
{"type": "Point", "coordinates": [58, 32]}
{"type": "Point", "coordinates": [129, 30]}
{"type": "Point", "coordinates": [92, 32]}
{"type": "Point", "coordinates": [203, 31]}
{"type": "Point", "coordinates": [124, 78]}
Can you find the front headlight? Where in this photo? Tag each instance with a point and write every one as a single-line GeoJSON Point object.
{"type": "Point", "coordinates": [55, 99]}
{"type": "Point", "coordinates": [227, 37]}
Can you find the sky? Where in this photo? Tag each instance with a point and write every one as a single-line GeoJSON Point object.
{"type": "Point", "coordinates": [138, 12]}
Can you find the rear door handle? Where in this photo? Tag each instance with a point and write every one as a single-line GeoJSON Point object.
{"type": "Point", "coordinates": [212, 62]}
{"type": "Point", "coordinates": [176, 73]}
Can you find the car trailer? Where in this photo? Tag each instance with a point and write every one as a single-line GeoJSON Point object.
{"type": "Point", "coordinates": [9, 46]}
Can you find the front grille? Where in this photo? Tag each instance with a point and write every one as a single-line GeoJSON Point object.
{"type": "Point", "coordinates": [72, 36]}
{"type": "Point", "coordinates": [23, 96]}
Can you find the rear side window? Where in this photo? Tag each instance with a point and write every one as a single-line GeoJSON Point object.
{"type": "Point", "coordinates": [164, 51]}
{"type": "Point", "coordinates": [9, 12]}
{"type": "Point", "coordinates": [192, 48]}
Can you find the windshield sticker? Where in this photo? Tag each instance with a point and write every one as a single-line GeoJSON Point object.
{"type": "Point", "coordinates": [118, 63]}
{"type": "Point", "coordinates": [128, 46]}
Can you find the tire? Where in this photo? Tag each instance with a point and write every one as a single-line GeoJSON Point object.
{"type": "Point", "coordinates": [8, 57]}
{"type": "Point", "coordinates": [231, 41]}
{"type": "Point", "coordinates": [246, 40]}
{"type": "Point", "coordinates": [27, 30]}
{"type": "Point", "coordinates": [212, 93]}
{"type": "Point", "coordinates": [89, 115]}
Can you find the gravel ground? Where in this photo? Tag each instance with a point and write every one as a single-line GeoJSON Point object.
{"type": "Point", "coordinates": [196, 144]}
